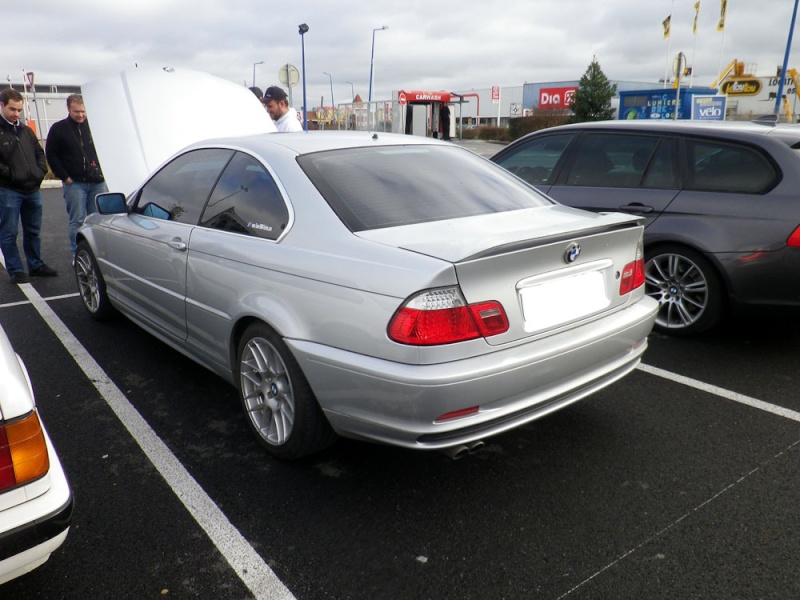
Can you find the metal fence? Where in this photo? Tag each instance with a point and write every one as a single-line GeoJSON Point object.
{"type": "Point", "coordinates": [381, 116]}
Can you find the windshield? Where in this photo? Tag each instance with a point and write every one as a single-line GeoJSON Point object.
{"type": "Point", "coordinates": [388, 186]}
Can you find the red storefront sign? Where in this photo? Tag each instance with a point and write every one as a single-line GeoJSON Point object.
{"type": "Point", "coordinates": [419, 96]}
{"type": "Point", "coordinates": [556, 97]}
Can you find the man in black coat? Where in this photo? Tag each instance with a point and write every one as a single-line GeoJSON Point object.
{"type": "Point", "coordinates": [22, 169]}
{"type": "Point", "coordinates": [73, 159]}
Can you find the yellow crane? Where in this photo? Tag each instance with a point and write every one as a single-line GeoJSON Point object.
{"type": "Point", "coordinates": [734, 69]}
{"type": "Point", "coordinates": [787, 107]}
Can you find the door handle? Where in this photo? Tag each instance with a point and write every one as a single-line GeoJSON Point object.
{"type": "Point", "coordinates": [636, 208]}
{"type": "Point", "coordinates": [177, 244]}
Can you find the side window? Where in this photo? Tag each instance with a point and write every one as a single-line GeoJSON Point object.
{"type": "Point", "coordinates": [535, 160]}
{"type": "Point", "coordinates": [621, 160]}
{"type": "Point", "coordinates": [660, 172]}
{"type": "Point", "coordinates": [725, 167]}
{"type": "Point", "coordinates": [182, 187]}
{"type": "Point", "coordinates": [247, 200]}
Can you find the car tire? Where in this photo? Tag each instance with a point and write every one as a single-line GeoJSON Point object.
{"type": "Point", "coordinates": [689, 290]}
{"type": "Point", "coordinates": [277, 400]}
{"type": "Point", "coordinates": [91, 285]}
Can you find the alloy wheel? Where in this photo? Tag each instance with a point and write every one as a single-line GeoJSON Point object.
{"type": "Point", "coordinates": [267, 391]}
{"type": "Point", "coordinates": [681, 288]}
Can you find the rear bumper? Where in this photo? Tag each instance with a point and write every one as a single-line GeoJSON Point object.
{"type": "Point", "coordinates": [37, 527]}
{"type": "Point", "coordinates": [762, 278]}
{"type": "Point", "coordinates": [395, 403]}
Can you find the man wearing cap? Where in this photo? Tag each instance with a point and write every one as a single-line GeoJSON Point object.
{"type": "Point", "coordinates": [277, 104]}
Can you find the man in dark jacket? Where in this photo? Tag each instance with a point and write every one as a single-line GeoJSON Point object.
{"type": "Point", "coordinates": [73, 159]}
{"type": "Point", "coordinates": [22, 169]}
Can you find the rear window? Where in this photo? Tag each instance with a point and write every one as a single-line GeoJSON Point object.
{"type": "Point", "coordinates": [716, 166]}
{"type": "Point", "coordinates": [388, 186]}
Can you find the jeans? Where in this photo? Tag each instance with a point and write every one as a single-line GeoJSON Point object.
{"type": "Point", "coordinates": [79, 198]}
{"type": "Point", "coordinates": [16, 207]}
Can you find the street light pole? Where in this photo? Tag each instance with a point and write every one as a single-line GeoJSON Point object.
{"type": "Point", "coordinates": [372, 60]}
{"type": "Point", "coordinates": [352, 90]}
{"type": "Point", "coordinates": [303, 29]}
{"type": "Point", "coordinates": [779, 97]}
{"type": "Point", "coordinates": [333, 103]}
{"type": "Point", "coordinates": [261, 62]}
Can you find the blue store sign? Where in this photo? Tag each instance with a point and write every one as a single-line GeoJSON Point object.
{"type": "Point", "coordinates": [708, 108]}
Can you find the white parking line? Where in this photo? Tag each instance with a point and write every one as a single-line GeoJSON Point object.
{"type": "Point", "coordinates": [722, 392]}
{"type": "Point", "coordinates": [249, 566]}
{"type": "Point", "coordinates": [48, 299]}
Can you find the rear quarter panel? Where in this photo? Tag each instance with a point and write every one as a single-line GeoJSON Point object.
{"type": "Point", "coordinates": [341, 298]}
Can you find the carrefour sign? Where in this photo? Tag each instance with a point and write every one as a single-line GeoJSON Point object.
{"type": "Point", "coordinates": [556, 97]}
{"type": "Point", "coordinates": [708, 108]}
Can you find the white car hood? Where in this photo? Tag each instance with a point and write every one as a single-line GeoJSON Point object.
{"type": "Point", "coordinates": [142, 117]}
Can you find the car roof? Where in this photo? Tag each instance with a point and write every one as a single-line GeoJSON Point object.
{"type": "Point", "coordinates": [789, 134]}
{"type": "Point", "coordinates": [317, 141]}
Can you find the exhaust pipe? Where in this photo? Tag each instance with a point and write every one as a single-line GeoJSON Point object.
{"type": "Point", "coordinates": [456, 452]}
{"type": "Point", "coordinates": [475, 447]}
{"type": "Point", "coordinates": [462, 450]}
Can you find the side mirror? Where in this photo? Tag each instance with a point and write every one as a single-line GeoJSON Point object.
{"type": "Point", "coordinates": [110, 203]}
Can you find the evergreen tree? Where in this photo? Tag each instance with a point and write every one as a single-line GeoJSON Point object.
{"type": "Point", "coordinates": [592, 99]}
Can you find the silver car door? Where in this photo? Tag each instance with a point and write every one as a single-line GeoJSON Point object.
{"type": "Point", "coordinates": [148, 260]}
{"type": "Point", "coordinates": [151, 246]}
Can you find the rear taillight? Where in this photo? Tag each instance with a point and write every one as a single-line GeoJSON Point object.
{"type": "Point", "coordinates": [23, 452]}
{"type": "Point", "coordinates": [794, 238]}
{"type": "Point", "coordinates": [633, 274]}
{"type": "Point", "coordinates": [442, 316]}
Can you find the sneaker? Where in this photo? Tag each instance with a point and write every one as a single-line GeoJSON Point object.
{"type": "Point", "coordinates": [44, 271]}
{"type": "Point", "coordinates": [20, 277]}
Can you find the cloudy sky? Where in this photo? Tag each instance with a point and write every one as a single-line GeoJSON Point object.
{"type": "Point", "coordinates": [452, 45]}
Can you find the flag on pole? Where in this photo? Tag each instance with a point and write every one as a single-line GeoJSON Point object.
{"type": "Point", "coordinates": [723, 4]}
{"type": "Point", "coordinates": [696, 14]}
{"type": "Point", "coordinates": [666, 23]}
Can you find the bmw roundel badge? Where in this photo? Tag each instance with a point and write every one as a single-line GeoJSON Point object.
{"type": "Point", "coordinates": [572, 253]}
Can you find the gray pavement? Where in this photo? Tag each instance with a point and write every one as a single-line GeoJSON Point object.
{"type": "Point", "coordinates": [676, 482]}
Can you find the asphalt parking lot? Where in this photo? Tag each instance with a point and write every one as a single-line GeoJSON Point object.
{"type": "Point", "coordinates": [676, 482]}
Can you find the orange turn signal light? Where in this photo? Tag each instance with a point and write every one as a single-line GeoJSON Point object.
{"type": "Point", "coordinates": [23, 452]}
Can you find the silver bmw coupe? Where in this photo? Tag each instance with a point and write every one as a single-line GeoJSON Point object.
{"type": "Point", "coordinates": [382, 287]}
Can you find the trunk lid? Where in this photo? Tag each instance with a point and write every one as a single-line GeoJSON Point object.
{"type": "Point", "coordinates": [555, 268]}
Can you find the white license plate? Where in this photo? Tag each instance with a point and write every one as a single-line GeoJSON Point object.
{"type": "Point", "coordinates": [562, 300]}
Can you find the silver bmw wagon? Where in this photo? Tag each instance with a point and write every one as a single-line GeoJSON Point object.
{"type": "Point", "coordinates": [382, 287]}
